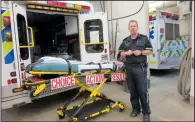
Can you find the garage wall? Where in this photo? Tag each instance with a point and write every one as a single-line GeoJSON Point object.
{"type": "Point", "coordinates": [121, 9]}
{"type": "Point", "coordinates": [96, 5]}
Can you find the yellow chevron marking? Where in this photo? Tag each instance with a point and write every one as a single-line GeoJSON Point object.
{"type": "Point", "coordinates": [7, 46]}
{"type": "Point", "coordinates": [163, 39]}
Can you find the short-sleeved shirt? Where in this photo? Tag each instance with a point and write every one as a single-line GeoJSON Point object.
{"type": "Point", "coordinates": [140, 43]}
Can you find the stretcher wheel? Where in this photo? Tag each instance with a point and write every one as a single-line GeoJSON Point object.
{"type": "Point", "coordinates": [61, 117]}
{"type": "Point", "coordinates": [61, 114]}
{"type": "Point", "coordinates": [32, 92]}
{"type": "Point", "coordinates": [121, 107]}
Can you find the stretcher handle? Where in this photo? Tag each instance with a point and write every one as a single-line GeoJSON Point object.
{"type": "Point", "coordinates": [37, 83]}
{"type": "Point", "coordinates": [100, 68]}
{"type": "Point", "coordinates": [96, 70]}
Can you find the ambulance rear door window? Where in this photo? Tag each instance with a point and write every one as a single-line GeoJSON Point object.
{"type": "Point", "coordinates": [22, 35]}
{"type": "Point", "coordinates": [94, 34]}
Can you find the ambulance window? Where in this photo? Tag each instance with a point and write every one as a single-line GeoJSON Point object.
{"type": "Point", "coordinates": [22, 35]}
{"type": "Point", "coordinates": [169, 31]}
{"type": "Point", "coordinates": [94, 34]}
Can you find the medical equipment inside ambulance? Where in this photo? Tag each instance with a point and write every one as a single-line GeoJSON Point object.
{"type": "Point", "coordinates": [51, 36]}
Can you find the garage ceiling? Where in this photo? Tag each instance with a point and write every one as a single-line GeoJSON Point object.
{"type": "Point", "coordinates": [170, 6]}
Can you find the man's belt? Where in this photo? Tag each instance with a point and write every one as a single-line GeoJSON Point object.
{"type": "Point", "coordinates": [144, 64]}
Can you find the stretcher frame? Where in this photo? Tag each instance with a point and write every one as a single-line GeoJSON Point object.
{"type": "Point", "coordinates": [62, 111]}
{"type": "Point", "coordinates": [94, 94]}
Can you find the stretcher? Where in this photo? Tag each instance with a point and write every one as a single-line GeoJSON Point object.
{"type": "Point", "coordinates": [83, 75]}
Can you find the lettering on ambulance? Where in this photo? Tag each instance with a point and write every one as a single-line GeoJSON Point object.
{"type": "Point", "coordinates": [8, 51]}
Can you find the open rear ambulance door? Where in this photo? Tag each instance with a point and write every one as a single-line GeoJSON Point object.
{"type": "Point", "coordinates": [21, 37]}
{"type": "Point", "coordinates": [93, 37]}
{"type": "Point", "coordinates": [20, 56]}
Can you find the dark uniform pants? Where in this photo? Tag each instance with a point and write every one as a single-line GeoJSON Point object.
{"type": "Point", "coordinates": [137, 85]}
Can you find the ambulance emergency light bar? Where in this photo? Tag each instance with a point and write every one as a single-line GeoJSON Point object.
{"type": "Point", "coordinates": [173, 16]}
{"type": "Point", "coordinates": [56, 6]}
{"type": "Point", "coordinates": [168, 15]}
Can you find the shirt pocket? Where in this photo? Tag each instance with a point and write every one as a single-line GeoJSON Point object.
{"type": "Point", "coordinates": [127, 46]}
{"type": "Point", "coordinates": [140, 45]}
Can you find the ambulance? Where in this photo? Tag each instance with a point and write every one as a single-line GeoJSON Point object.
{"type": "Point", "coordinates": [168, 45]}
{"type": "Point", "coordinates": [34, 29]}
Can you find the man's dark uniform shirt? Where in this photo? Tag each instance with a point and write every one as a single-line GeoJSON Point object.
{"type": "Point", "coordinates": [140, 43]}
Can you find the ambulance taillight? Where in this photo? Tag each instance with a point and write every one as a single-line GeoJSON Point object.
{"type": "Point", "coordinates": [16, 90]}
{"type": "Point", "coordinates": [9, 82]}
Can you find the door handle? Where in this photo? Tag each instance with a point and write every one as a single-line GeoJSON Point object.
{"type": "Point", "coordinates": [22, 66]}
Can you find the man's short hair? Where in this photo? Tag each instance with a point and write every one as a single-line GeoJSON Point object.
{"type": "Point", "coordinates": [133, 21]}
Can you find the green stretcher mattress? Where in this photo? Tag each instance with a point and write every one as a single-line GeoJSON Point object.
{"type": "Point", "coordinates": [53, 64]}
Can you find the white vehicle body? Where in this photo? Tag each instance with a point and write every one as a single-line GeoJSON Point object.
{"type": "Point", "coordinates": [168, 45]}
{"type": "Point", "coordinates": [80, 23]}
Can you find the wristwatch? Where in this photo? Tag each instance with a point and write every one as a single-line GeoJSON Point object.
{"type": "Point", "coordinates": [141, 52]}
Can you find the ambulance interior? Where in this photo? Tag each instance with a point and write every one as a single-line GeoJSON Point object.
{"type": "Point", "coordinates": [54, 35]}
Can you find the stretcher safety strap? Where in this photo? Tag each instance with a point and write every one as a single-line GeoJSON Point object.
{"type": "Point", "coordinates": [114, 67]}
{"type": "Point", "coordinates": [100, 68]}
{"type": "Point", "coordinates": [69, 66]}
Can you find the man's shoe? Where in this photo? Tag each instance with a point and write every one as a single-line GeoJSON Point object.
{"type": "Point", "coordinates": [146, 118]}
{"type": "Point", "coordinates": [134, 113]}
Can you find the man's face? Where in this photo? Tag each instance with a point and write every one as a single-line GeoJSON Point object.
{"type": "Point", "coordinates": [133, 27]}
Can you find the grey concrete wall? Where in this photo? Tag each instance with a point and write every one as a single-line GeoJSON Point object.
{"type": "Point", "coordinates": [97, 5]}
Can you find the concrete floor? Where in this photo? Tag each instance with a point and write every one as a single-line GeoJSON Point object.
{"type": "Point", "coordinates": [166, 104]}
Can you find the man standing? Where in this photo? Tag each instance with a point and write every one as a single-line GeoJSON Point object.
{"type": "Point", "coordinates": [135, 49]}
